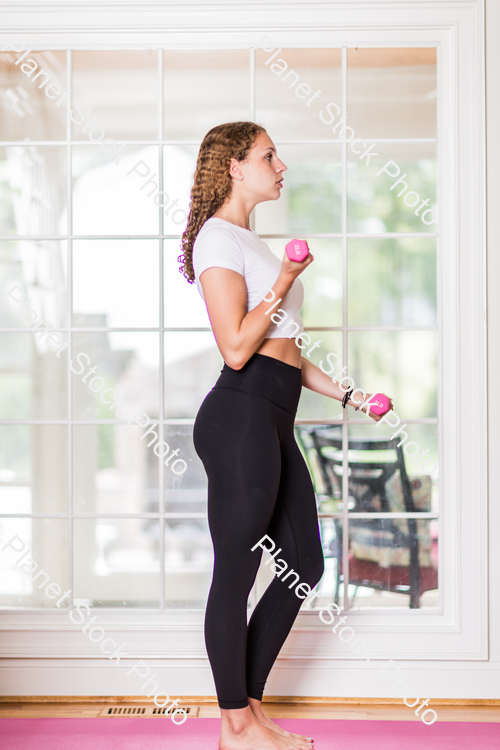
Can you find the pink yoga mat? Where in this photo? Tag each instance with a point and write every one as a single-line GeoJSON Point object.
{"type": "Point", "coordinates": [202, 734]}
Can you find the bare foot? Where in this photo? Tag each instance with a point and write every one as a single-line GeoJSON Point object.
{"type": "Point", "coordinates": [256, 707]}
{"type": "Point", "coordinates": [241, 730]}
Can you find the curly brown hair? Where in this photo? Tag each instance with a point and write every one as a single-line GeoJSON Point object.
{"type": "Point", "coordinates": [212, 183]}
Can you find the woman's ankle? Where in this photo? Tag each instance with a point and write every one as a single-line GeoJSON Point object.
{"type": "Point", "coordinates": [256, 706]}
{"type": "Point", "coordinates": [237, 719]}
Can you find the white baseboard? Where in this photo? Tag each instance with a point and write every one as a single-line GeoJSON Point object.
{"type": "Point", "coordinates": [91, 677]}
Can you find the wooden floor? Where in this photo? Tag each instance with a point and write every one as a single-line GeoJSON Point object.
{"type": "Point", "coordinates": [315, 710]}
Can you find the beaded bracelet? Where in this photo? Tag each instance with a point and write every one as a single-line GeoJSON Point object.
{"type": "Point", "coordinates": [347, 397]}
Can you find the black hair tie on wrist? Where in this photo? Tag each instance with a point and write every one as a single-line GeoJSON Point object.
{"type": "Point", "coordinates": [347, 397]}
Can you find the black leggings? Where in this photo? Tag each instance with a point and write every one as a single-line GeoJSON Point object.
{"type": "Point", "coordinates": [258, 484]}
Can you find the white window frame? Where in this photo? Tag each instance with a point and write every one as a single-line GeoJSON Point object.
{"type": "Point", "coordinates": [459, 630]}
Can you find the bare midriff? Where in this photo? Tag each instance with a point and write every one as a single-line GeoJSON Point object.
{"type": "Point", "coordinates": [285, 350]}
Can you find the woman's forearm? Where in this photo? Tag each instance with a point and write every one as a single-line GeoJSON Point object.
{"type": "Point", "coordinates": [316, 380]}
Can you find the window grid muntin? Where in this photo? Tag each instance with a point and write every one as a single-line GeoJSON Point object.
{"type": "Point", "coordinates": [162, 421]}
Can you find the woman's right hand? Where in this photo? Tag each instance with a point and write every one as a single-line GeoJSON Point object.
{"type": "Point", "coordinates": [378, 417]}
{"type": "Point", "coordinates": [293, 269]}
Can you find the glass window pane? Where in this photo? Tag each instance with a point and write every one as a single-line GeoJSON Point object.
{"type": "Point", "coordinates": [392, 282]}
{"type": "Point", "coordinates": [182, 304]}
{"type": "Point", "coordinates": [381, 571]}
{"type": "Point", "coordinates": [113, 469]}
{"type": "Point", "coordinates": [187, 491]}
{"type": "Point", "coordinates": [314, 405]}
{"type": "Point", "coordinates": [203, 88]}
{"type": "Point", "coordinates": [32, 377]}
{"type": "Point", "coordinates": [189, 563]}
{"type": "Point", "coordinates": [29, 94]}
{"type": "Point", "coordinates": [392, 92]}
{"type": "Point", "coordinates": [116, 562]}
{"type": "Point", "coordinates": [125, 362]}
{"type": "Point", "coordinates": [115, 191]}
{"type": "Point", "coordinates": [293, 87]}
{"type": "Point", "coordinates": [330, 587]}
{"type": "Point", "coordinates": [321, 446]}
{"type": "Point", "coordinates": [310, 199]}
{"type": "Point", "coordinates": [424, 461]}
{"type": "Point", "coordinates": [116, 283]}
{"type": "Point", "coordinates": [33, 468]}
{"type": "Point", "coordinates": [34, 563]}
{"type": "Point", "coordinates": [402, 364]}
{"type": "Point", "coordinates": [33, 190]}
{"type": "Point", "coordinates": [115, 94]}
{"type": "Point", "coordinates": [372, 207]}
{"type": "Point", "coordinates": [322, 281]}
{"type": "Point", "coordinates": [192, 366]}
{"type": "Point", "coordinates": [33, 273]}
{"type": "Point", "coordinates": [179, 165]}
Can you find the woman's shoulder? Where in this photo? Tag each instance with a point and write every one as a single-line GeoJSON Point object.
{"type": "Point", "coordinates": [215, 230]}
{"type": "Point", "coordinates": [216, 244]}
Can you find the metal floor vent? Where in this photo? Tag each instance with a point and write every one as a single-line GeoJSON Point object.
{"type": "Point", "coordinates": [117, 710]}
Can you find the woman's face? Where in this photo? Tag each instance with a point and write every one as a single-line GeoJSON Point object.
{"type": "Point", "coordinates": [262, 171]}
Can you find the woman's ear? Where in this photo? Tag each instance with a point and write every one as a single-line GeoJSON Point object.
{"type": "Point", "coordinates": [235, 169]}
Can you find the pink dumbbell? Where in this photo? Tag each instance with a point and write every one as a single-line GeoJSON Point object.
{"type": "Point", "coordinates": [378, 404]}
{"type": "Point", "coordinates": [297, 250]}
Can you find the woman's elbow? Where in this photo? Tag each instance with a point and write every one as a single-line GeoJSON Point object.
{"type": "Point", "coordinates": [235, 361]}
{"type": "Point", "coordinates": [236, 357]}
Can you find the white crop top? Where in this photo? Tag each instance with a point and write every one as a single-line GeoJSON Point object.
{"type": "Point", "coordinates": [225, 245]}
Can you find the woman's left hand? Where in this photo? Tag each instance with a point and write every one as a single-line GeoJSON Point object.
{"type": "Point", "coordinates": [378, 417]}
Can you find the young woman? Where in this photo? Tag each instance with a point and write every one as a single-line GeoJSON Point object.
{"type": "Point", "coordinates": [258, 481]}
